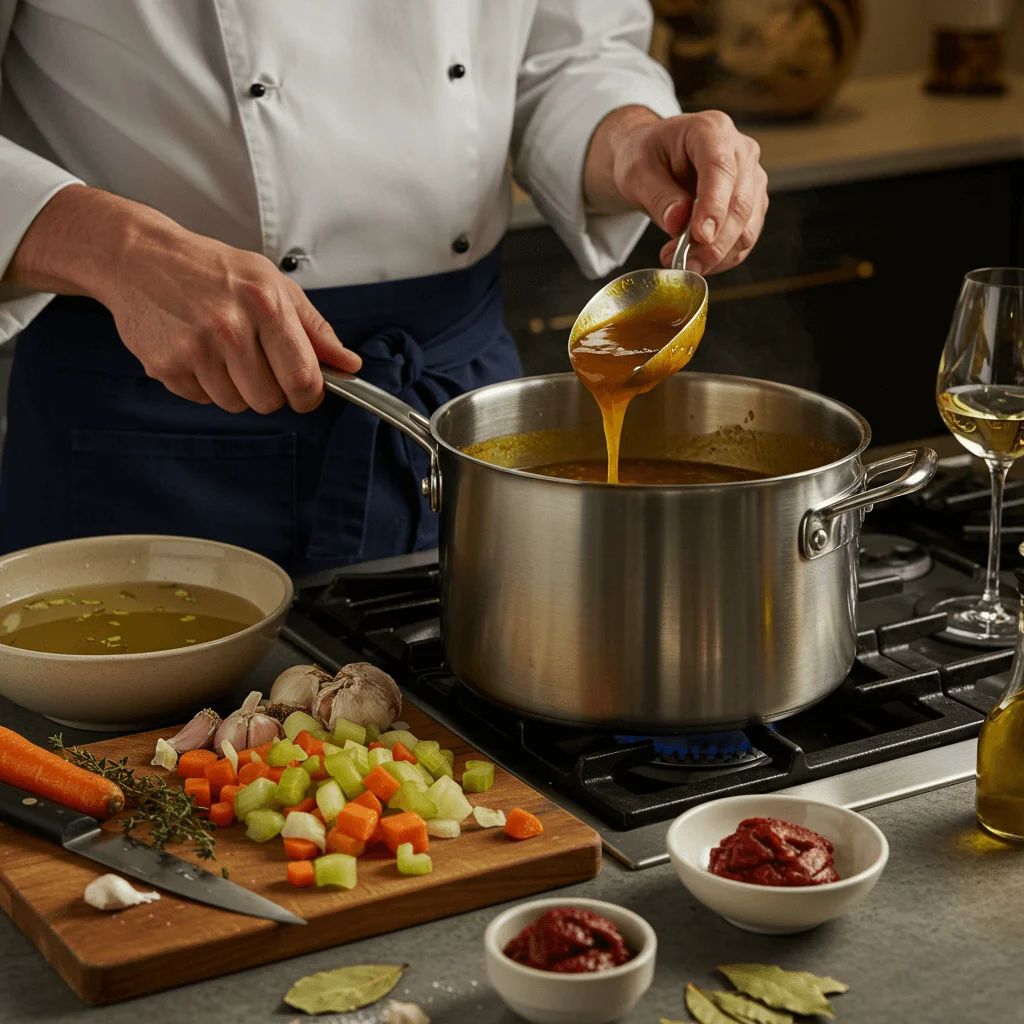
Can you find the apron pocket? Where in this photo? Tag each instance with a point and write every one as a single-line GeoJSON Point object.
{"type": "Point", "coordinates": [238, 489]}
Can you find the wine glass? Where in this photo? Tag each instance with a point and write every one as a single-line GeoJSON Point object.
{"type": "Point", "coordinates": [980, 395]}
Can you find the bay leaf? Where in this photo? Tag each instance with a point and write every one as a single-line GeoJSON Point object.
{"type": "Point", "coordinates": [784, 990]}
{"type": "Point", "coordinates": [743, 1008]}
{"type": "Point", "coordinates": [703, 1007]}
{"type": "Point", "coordinates": [826, 986]}
{"type": "Point", "coordinates": [344, 989]}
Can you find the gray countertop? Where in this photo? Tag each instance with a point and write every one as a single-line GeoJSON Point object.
{"type": "Point", "coordinates": [938, 939]}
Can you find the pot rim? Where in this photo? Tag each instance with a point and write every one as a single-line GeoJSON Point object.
{"type": "Point", "coordinates": [789, 389]}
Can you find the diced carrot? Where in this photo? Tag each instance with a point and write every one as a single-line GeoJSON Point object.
{"type": "Point", "coordinates": [199, 790]}
{"type": "Point", "coordinates": [376, 745]}
{"type": "Point", "coordinates": [367, 799]}
{"type": "Point", "coordinates": [310, 744]}
{"type": "Point", "coordinates": [301, 873]}
{"type": "Point", "coordinates": [321, 776]}
{"type": "Point", "coordinates": [222, 814]}
{"type": "Point", "coordinates": [244, 756]}
{"type": "Point", "coordinates": [252, 771]}
{"type": "Point", "coordinates": [520, 824]}
{"type": "Point", "coordinates": [381, 784]}
{"type": "Point", "coordinates": [220, 774]}
{"type": "Point", "coordinates": [318, 814]}
{"type": "Point", "coordinates": [263, 750]}
{"type": "Point", "coordinates": [301, 849]}
{"type": "Point", "coordinates": [339, 842]}
{"type": "Point", "coordinates": [192, 763]}
{"type": "Point", "coordinates": [377, 837]}
{"type": "Point", "coordinates": [400, 752]}
{"type": "Point", "coordinates": [357, 821]}
{"type": "Point", "coordinates": [406, 827]}
{"type": "Point", "coordinates": [228, 794]}
{"type": "Point", "coordinates": [275, 774]}
{"type": "Point", "coordinates": [306, 805]}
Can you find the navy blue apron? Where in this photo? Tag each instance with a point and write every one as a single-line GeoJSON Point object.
{"type": "Point", "coordinates": [96, 447]}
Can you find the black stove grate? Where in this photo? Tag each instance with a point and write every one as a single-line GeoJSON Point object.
{"type": "Point", "coordinates": [908, 691]}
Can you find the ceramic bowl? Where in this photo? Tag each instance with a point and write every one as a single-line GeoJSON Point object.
{"type": "Point", "coordinates": [861, 852]}
{"type": "Point", "coordinates": [543, 997]}
{"type": "Point", "coordinates": [121, 692]}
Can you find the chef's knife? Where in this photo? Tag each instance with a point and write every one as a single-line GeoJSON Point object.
{"type": "Point", "coordinates": [81, 834]}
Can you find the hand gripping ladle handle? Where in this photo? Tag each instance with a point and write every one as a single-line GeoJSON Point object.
{"type": "Point", "coordinates": [682, 250]}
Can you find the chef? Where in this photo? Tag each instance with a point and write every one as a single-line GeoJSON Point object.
{"type": "Point", "coordinates": [223, 194]}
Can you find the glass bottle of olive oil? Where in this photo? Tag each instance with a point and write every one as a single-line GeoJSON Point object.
{"type": "Point", "coordinates": [1000, 798]}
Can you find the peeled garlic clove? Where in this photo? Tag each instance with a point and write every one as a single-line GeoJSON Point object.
{"type": "Point", "coordinates": [299, 685]}
{"type": "Point", "coordinates": [404, 1013]}
{"type": "Point", "coordinates": [363, 694]}
{"type": "Point", "coordinates": [111, 892]}
{"type": "Point", "coordinates": [165, 756]}
{"type": "Point", "coordinates": [198, 734]}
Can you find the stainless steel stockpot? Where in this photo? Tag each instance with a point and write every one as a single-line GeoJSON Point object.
{"type": "Point", "coordinates": [654, 608]}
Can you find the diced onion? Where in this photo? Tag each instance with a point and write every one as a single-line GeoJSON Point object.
{"type": "Point", "coordinates": [165, 755]}
{"type": "Point", "coordinates": [444, 828]}
{"type": "Point", "coordinates": [230, 753]}
{"type": "Point", "coordinates": [300, 825]}
{"type": "Point", "coordinates": [486, 818]}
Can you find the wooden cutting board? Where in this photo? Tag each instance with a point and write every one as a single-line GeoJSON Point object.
{"type": "Point", "coordinates": [106, 957]}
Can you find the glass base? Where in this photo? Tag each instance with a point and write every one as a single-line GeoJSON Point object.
{"type": "Point", "coordinates": [971, 620]}
{"type": "Point", "coordinates": [1009, 837]}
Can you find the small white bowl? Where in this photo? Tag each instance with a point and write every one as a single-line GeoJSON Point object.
{"type": "Point", "coordinates": [544, 997]}
{"type": "Point", "coordinates": [861, 852]}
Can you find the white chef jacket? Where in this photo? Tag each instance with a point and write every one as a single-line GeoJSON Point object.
{"type": "Point", "coordinates": [366, 139]}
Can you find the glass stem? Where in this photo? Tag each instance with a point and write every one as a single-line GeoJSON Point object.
{"type": "Point", "coordinates": [997, 470]}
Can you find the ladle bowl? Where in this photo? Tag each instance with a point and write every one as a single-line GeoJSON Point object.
{"type": "Point", "coordinates": [676, 286]}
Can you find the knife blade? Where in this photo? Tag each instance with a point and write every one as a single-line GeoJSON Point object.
{"type": "Point", "coordinates": [78, 833]}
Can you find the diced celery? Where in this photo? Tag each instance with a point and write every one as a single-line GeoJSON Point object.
{"type": "Point", "coordinates": [389, 739]}
{"type": "Point", "coordinates": [337, 869]}
{"type": "Point", "coordinates": [346, 730]}
{"type": "Point", "coordinates": [378, 756]}
{"type": "Point", "coordinates": [425, 776]}
{"type": "Point", "coordinates": [402, 771]}
{"type": "Point", "coordinates": [372, 734]}
{"type": "Point", "coordinates": [262, 825]}
{"type": "Point", "coordinates": [330, 800]}
{"type": "Point", "coordinates": [410, 863]}
{"type": "Point", "coordinates": [388, 811]}
{"type": "Point", "coordinates": [330, 748]}
{"type": "Point", "coordinates": [302, 825]}
{"type": "Point", "coordinates": [360, 755]}
{"type": "Point", "coordinates": [451, 802]}
{"type": "Point", "coordinates": [297, 721]}
{"type": "Point", "coordinates": [409, 798]}
{"type": "Point", "coordinates": [432, 762]}
{"type": "Point", "coordinates": [343, 768]}
{"type": "Point", "coordinates": [449, 756]}
{"type": "Point", "coordinates": [293, 785]}
{"type": "Point", "coordinates": [283, 752]}
{"type": "Point", "coordinates": [444, 828]}
{"type": "Point", "coordinates": [321, 734]}
{"type": "Point", "coordinates": [425, 745]}
{"type": "Point", "coordinates": [312, 765]}
{"type": "Point", "coordinates": [478, 777]}
{"type": "Point", "coordinates": [257, 796]}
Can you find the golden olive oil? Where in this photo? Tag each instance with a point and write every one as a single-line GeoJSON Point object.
{"type": "Point", "coordinates": [1000, 799]}
{"type": "Point", "coordinates": [135, 617]}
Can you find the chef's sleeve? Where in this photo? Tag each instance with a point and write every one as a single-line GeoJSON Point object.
{"type": "Point", "coordinates": [583, 59]}
{"type": "Point", "coordinates": [27, 183]}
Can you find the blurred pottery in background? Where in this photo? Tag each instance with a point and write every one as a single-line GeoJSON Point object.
{"type": "Point", "coordinates": [967, 50]}
{"type": "Point", "coordinates": [758, 59]}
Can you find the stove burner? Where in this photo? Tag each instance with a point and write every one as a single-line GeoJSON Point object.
{"type": "Point", "coordinates": [884, 555]}
{"type": "Point", "coordinates": [711, 750]}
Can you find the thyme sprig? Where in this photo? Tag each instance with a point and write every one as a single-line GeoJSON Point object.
{"type": "Point", "coordinates": [169, 815]}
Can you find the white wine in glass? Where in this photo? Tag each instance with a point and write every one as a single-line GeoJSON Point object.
{"type": "Point", "coordinates": [980, 395]}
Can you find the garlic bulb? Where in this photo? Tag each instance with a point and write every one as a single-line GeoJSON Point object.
{"type": "Point", "coordinates": [404, 1013]}
{"type": "Point", "coordinates": [249, 726]}
{"type": "Point", "coordinates": [198, 734]}
{"type": "Point", "coordinates": [363, 694]}
{"type": "Point", "coordinates": [298, 686]}
{"type": "Point", "coordinates": [111, 892]}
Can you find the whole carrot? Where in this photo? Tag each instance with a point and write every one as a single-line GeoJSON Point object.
{"type": "Point", "coordinates": [45, 774]}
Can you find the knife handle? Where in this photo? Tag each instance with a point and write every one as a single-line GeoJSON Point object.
{"type": "Point", "coordinates": [43, 817]}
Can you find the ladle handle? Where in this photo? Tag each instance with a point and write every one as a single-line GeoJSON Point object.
{"type": "Point", "coordinates": [682, 250]}
{"type": "Point", "coordinates": [383, 404]}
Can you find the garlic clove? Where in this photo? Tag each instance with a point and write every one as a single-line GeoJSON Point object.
{"type": "Point", "coordinates": [404, 1013]}
{"type": "Point", "coordinates": [198, 734]}
{"type": "Point", "coordinates": [247, 727]}
{"type": "Point", "coordinates": [111, 892]}
{"type": "Point", "coordinates": [363, 694]}
{"type": "Point", "coordinates": [299, 685]}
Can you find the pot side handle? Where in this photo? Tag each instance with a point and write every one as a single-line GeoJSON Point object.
{"type": "Point", "coordinates": [821, 529]}
{"type": "Point", "coordinates": [394, 411]}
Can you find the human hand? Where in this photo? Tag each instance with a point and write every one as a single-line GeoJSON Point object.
{"type": "Point", "coordinates": [697, 163]}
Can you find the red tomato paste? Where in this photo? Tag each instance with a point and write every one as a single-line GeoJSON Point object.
{"type": "Point", "coordinates": [569, 941]}
{"type": "Point", "coordinates": [769, 851]}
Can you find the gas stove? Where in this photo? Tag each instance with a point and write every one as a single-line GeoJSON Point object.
{"type": "Point", "coordinates": [903, 721]}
